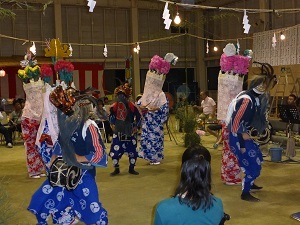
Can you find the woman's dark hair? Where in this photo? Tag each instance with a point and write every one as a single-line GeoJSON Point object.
{"type": "Point", "coordinates": [195, 181]}
{"type": "Point", "coordinates": [196, 151]}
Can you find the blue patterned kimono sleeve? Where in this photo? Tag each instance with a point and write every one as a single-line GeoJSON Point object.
{"type": "Point", "coordinates": [164, 112]}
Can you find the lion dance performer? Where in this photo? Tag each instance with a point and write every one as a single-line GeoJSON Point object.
{"type": "Point", "coordinates": [32, 112]}
{"type": "Point", "coordinates": [126, 120]}
{"type": "Point", "coordinates": [230, 84]}
{"type": "Point", "coordinates": [71, 186]}
{"type": "Point", "coordinates": [249, 110]}
{"type": "Point", "coordinates": [155, 105]}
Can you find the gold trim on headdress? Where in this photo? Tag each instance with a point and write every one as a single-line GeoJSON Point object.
{"type": "Point", "coordinates": [63, 99]}
{"type": "Point", "coordinates": [124, 88]}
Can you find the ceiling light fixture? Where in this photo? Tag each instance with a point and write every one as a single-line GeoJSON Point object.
{"type": "Point", "coordinates": [177, 19]}
{"type": "Point", "coordinates": [282, 36]}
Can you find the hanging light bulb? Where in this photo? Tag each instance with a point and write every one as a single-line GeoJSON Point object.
{"type": "Point", "coordinates": [137, 48]}
{"type": "Point", "coordinates": [2, 73]}
{"type": "Point", "coordinates": [177, 19]}
{"type": "Point", "coordinates": [215, 48]}
{"type": "Point", "coordinates": [282, 36]}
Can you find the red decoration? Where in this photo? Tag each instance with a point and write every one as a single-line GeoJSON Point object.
{"type": "Point", "coordinates": [63, 65]}
{"type": "Point", "coordinates": [46, 71]}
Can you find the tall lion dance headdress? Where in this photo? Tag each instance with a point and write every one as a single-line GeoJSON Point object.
{"type": "Point", "coordinates": [125, 89]}
{"type": "Point", "coordinates": [265, 80]}
{"type": "Point", "coordinates": [261, 84]}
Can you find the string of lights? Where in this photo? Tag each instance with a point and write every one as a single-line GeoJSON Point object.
{"type": "Point", "coordinates": [294, 10]}
{"type": "Point", "coordinates": [136, 45]}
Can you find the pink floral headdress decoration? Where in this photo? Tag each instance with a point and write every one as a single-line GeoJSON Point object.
{"type": "Point", "coordinates": [230, 62]}
{"type": "Point", "coordinates": [162, 66]}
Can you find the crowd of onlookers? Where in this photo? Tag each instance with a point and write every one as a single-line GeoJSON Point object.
{"type": "Point", "coordinates": [12, 122]}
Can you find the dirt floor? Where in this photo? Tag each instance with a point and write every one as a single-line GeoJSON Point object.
{"type": "Point", "coordinates": [130, 199]}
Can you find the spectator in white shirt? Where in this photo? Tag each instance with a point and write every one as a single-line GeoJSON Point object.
{"type": "Point", "coordinates": [207, 108]}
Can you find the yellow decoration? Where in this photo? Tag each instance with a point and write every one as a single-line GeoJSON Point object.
{"type": "Point", "coordinates": [127, 74]}
{"type": "Point", "coordinates": [33, 69]}
{"type": "Point", "coordinates": [26, 69]}
{"type": "Point", "coordinates": [22, 74]}
{"type": "Point", "coordinates": [57, 50]}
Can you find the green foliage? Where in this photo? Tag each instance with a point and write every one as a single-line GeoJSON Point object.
{"type": "Point", "coordinates": [7, 7]}
{"type": "Point", "coordinates": [190, 123]}
{"type": "Point", "coordinates": [191, 139]}
{"type": "Point", "coordinates": [187, 120]}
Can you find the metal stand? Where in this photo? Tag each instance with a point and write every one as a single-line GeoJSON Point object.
{"type": "Point", "coordinates": [170, 132]}
{"type": "Point", "coordinates": [289, 114]}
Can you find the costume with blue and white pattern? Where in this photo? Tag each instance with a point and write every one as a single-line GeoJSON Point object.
{"type": "Point", "coordinates": [83, 200]}
{"type": "Point", "coordinates": [152, 138]}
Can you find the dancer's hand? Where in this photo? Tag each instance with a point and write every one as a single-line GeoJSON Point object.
{"type": "Point", "coordinates": [81, 159]}
{"type": "Point", "coordinates": [246, 136]}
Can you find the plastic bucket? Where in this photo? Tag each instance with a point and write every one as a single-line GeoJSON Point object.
{"type": "Point", "coordinates": [276, 154]}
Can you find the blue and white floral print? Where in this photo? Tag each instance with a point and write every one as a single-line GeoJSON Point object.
{"type": "Point", "coordinates": [152, 138]}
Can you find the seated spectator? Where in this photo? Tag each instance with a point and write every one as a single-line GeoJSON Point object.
{"type": "Point", "coordinates": [192, 202]}
{"type": "Point", "coordinates": [292, 100]}
{"type": "Point", "coordinates": [7, 133]}
{"type": "Point", "coordinates": [15, 116]}
{"type": "Point", "coordinates": [207, 108]}
{"type": "Point", "coordinates": [215, 129]}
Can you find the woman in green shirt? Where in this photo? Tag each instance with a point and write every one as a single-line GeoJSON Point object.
{"type": "Point", "coordinates": [193, 203]}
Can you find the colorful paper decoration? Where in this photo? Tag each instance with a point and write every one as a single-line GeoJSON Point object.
{"type": "Point", "coordinates": [57, 50]}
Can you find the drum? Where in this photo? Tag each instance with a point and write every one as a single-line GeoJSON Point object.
{"type": "Point", "coordinates": [262, 138]}
{"type": "Point", "coordinates": [63, 175]}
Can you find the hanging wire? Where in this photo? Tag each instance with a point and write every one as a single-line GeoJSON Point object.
{"type": "Point", "coordinates": [294, 10]}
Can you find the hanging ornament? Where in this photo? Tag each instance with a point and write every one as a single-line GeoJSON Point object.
{"type": "Point", "coordinates": [166, 17]}
{"type": "Point", "coordinates": [248, 53]}
{"type": "Point", "coordinates": [57, 49]}
{"type": "Point", "coordinates": [246, 23]}
{"type": "Point", "coordinates": [105, 51]}
{"type": "Point", "coordinates": [128, 68]}
{"type": "Point", "coordinates": [238, 46]}
{"type": "Point", "coordinates": [71, 50]}
{"type": "Point", "coordinates": [274, 41]}
{"type": "Point", "coordinates": [91, 4]}
{"type": "Point", "coordinates": [33, 48]}
{"type": "Point", "coordinates": [207, 47]}
{"type": "Point", "coordinates": [47, 42]}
